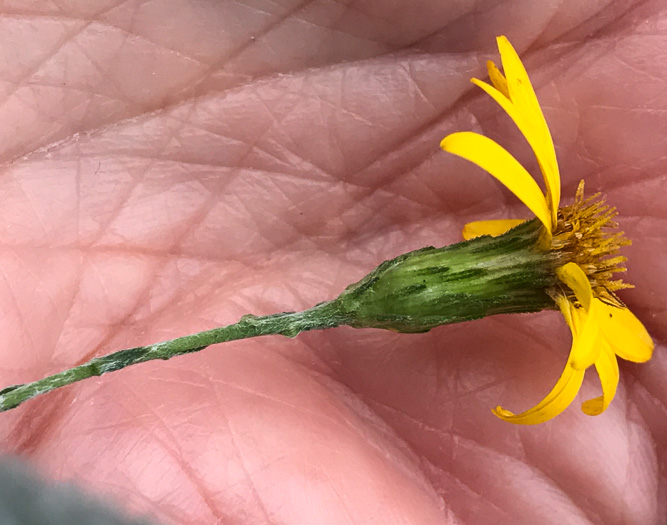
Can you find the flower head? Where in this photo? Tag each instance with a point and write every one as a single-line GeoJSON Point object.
{"type": "Point", "coordinates": [581, 235]}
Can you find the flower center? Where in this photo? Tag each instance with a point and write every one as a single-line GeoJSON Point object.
{"type": "Point", "coordinates": [587, 235]}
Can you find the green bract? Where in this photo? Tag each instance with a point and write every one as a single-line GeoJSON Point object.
{"type": "Point", "coordinates": [469, 280]}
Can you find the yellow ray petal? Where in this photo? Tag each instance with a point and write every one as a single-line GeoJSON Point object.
{"type": "Point", "coordinates": [560, 397]}
{"type": "Point", "coordinates": [533, 129]}
{"type": "Point", "coordinates": [492, 228]}
{"type": "Point", "coordinates": [567, 309]}
{"type": "Point", "coordinates": [607, 368]}
{"type": "Point", "coordinates": [519, 87]}
{"type": "Point", "coordinates": [493, 158]}
{"type": "Point", "coordinates": [497, 78]}
{"type": "Point", "coordinates": [585, 347]}
{"type": "Point", "coordinates": [625, 333]}
{"type": "Point", "coordinates": [521, 94]}
{"type": "Point", "coordinates": [573, 276]}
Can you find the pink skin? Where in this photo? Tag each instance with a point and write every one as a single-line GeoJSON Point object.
{"type": "Point", "coordinates": [169, 166]}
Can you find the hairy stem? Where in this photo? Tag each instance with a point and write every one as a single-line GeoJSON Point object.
{"type": "Point", "coordinates": [290, 324]}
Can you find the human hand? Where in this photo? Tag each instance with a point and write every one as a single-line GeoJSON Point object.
{"type": "Point", "coordinates": [171, 166]}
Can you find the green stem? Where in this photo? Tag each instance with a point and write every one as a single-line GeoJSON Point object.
{"type": "Point", "coordinates": [290, 324]}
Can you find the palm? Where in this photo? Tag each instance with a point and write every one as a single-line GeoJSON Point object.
{"type": "Point", "coordinates": [233, 160]}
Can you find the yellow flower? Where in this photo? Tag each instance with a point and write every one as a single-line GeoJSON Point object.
{"type": "Point", "coordinates": [602, 326]}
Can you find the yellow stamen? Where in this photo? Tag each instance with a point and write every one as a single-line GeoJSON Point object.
{"type": "Point", "coordinates": [585, 235]}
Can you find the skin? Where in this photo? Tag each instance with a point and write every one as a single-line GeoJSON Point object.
{"type": "Point", "coordinates": [169, 166]}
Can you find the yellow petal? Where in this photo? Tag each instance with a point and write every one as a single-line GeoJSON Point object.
{"type": "Point", "coordinates": [585, 344]}
{"type": "Point", "coordinates": [567, 309]}
{"type": "Point", "coordinates": [625, 333]}
{"type": "Point", "coordinates": [491, 157]}
{"type": "Point", "coordinates": [607, 368]}
{"type": "Point", "coordinates": [492, 228]}
{"type": "Point", "coordinates": [586, 347]}
{"type": "Point", "coordinates": [567, 387]}
{"type": "Point", "coordinates": [573, 276]}
{"type": "Point", "coordinates": [497, 78]}
{"type": "Point", "coordinates": [533, 129]}
{"type": "Point", "coordinates": [519, 87]}
{"type": "Point", "coordinates": [560, 397]}
{"type": "Point", "coordinates": [522, 95]}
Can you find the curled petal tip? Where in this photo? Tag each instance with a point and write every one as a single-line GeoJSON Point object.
{"type": "Point", "coordinates": [593, 407]}
{"type": "Point", "coordinates": [502, 413]}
